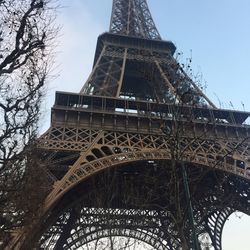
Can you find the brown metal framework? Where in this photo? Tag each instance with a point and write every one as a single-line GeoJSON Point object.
{"type": "Point", "coordinates": [133, 18]}
{"type": "Point", "coordinates": [121, 140]}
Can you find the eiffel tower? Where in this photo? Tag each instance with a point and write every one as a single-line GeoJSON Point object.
{"type": "Point", "coordinates": [140, 152]}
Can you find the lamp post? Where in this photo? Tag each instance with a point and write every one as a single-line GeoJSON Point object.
{"type": "Point", "coordinates": [190, 208]}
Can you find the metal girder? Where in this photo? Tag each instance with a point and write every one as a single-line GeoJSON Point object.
{"type": "Point", "coordinates": [107, 75]}
{"type": "Point", "coordinates": [215, 224]}
{"type": "Point", "coordinates": [133, 18]}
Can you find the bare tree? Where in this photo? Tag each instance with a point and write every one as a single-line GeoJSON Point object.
{"type": "Point", "coordinates": [27, 37]}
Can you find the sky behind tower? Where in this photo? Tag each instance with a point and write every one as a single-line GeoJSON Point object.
{"type": "Point", "coordinates": [214, 33]}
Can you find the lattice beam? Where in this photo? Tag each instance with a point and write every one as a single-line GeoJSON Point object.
{"type": "Point", "coordinates": [133, 18]}
{"type": "Point", "coordinates": [106, 149]}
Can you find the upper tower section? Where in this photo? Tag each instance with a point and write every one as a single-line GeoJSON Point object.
{"type": "Point", "coordinates": [133, 62]}
{"type": "Point", "coordinates": [133, 18]}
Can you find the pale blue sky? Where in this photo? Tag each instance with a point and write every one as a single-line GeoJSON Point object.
{"type": "Point", "coordinates": [216, 31]}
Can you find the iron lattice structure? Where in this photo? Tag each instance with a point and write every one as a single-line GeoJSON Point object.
{"type": "Point", "coordinates": [113, 152]}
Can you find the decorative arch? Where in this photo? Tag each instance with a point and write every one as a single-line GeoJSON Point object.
{"type": "Point", "coordinates": [74, 242]}
{"type": "Point", "coordinates": [109, 150]}
{"type": "Point", "coordinates": [92, 224]}
{"type": "Point", "coordinates": [121, 158]}
{"type": "Point", "coordinates": [101, 157]}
